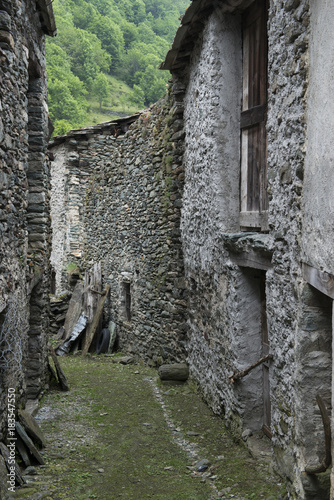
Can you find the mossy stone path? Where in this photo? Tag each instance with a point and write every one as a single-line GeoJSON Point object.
{"type": "Point", "coordinates": [119, 434]}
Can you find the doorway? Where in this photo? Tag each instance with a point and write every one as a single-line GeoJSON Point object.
{"type": "Point", "coordinates": [252, 344]}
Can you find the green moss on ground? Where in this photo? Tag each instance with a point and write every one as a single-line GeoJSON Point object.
{"type": "Point", "coordinates": [108, 439]}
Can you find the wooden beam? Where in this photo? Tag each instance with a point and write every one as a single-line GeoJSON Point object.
{"type": "Point", "coordinates": [255, 220]}
{"type": "Point", "coordinates": [253, 116]}
{"type": "Point", "coordinates": [321, 280]}
{"type": "Point", "coordinates": [95, 322]}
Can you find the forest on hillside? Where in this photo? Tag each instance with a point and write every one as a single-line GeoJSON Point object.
{"type": "Point", "coordinates": [106, 56]}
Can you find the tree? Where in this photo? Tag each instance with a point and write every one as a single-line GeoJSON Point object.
{"type": "Point", "coordinates": [138, 96]}
{"type": "Point", "coordinates": [67, 104]}
{"type": "Point", "coordinates": [125, 38]}
{"type": "Point", "coordinates": [101, 88]}
{"type": "Point", "coordinates": [153, 83]}
{"type": "Point", "coordinates": [111, 38]}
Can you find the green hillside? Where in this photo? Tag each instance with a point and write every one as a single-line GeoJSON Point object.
{"type": "Point", "coordinates": [103, 62]}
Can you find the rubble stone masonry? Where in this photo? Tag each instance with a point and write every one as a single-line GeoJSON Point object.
{"type": "Point", "coordinates": [236, 278]}
{"type": "Point", "coordinates": [24, 202]}
{"type": "Point", "coordinates": [117, 199]}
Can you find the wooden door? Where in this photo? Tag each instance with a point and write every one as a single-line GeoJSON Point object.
{"type": "Point", "coordinates": [254, 199]}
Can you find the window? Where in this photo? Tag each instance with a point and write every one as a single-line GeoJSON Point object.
{"type": "Point", "coordinates": [254, 199]}
{"type": "Point", "coordinates": [127, 300]}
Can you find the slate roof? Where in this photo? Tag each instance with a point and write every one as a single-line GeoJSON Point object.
{"type": "Point", "coordinates": [191, 26]}
{"type": "Point", "coordinates": [47, 17]}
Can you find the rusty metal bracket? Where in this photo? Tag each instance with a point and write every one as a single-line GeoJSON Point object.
{"type": "Point", "coordinates": [324, 464]}
{"type": "Point", "coordinates": [237, 375]}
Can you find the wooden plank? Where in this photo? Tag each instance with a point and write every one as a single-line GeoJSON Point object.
{"type": "Point", "coordinates": [92, 281]}
{"type": "Point", "coordinates": [23, 452]}
{"type": "Point", "coordinates": [60, 374]}
{"type": "Point", "coordinates": [253, 116]}
{"type": "Point", "coordinates": [244, 169]}
{"type": "Point", "coordinates": [254, 164]}
{"type": "Point", "coordinates": [19, 479]}
{"type": "Point", "coordinates": [321, 280]}
{"type": "Point", "coordinates": [95, 322]}
{"type": "Point", "coordinates": [31, 427]}
{"type": "Point", "coordinates": [28, 443]}
{"type": "Point", "coordinates": [245, 70]}
{"type": "Point", "coordinates": [263, 177]}
{"type": "Point", "coordinates": [254, 220]}
{"type": "Point", "coordinates": [74, 309]}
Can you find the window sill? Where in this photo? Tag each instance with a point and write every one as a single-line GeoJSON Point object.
{"type": "Point", "coordinates": [254, 220]}
{"type": "Point", "coordinates": [250, 249]}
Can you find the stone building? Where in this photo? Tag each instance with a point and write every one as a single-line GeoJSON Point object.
{"type": "Point", "coordinates": [116, 198]}
{"type": "Point", "coordinates": [255, 79]}
{"type": "Point", "coordinates": [212, 217]}
{"type": "Point", "coordinates": [24, 198]}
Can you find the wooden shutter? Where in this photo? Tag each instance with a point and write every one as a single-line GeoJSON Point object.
{"type": "Point", "coordinates": [254, 199]}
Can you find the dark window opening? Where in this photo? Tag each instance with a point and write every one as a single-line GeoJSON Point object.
{"type": "Point", "coordinates": [53, 282]}
{"type": "Point", "coordinates": [127, 300]}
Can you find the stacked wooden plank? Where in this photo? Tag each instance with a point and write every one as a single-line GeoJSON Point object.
{"type": "Point", "coordinates": [25, 446]}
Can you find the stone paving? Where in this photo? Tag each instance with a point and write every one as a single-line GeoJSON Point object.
{"type": "Point", "coordinates": [120, 433]}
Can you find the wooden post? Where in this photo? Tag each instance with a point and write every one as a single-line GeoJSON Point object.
{"type": "Point", "coordinates": [93, 281]}
{"type": "Point", "coordinates": [95, 322]}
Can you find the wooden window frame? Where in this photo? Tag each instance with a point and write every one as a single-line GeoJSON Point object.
{"type": "Point", "coordinates": [253, 182]}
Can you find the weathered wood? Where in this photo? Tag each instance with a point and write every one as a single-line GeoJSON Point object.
{"type": "Point", "coordinates": [52, 372]}
{"type": "Point", "coordinates": [253, 116]}
{"type": "Point", "coordinates": [60, 374]}
{"type": "Point", "coordinates": [92, 281]}
{"type": "Point", "coordinates": [322, 281]}
{"type": "Point", "coordinates": [237, 375]}
{"type": "Point", "coordinates": [74, 309]}
{"type": "Point", "coordinates": [254, 220]}
{"type": "Point", "coordinates": [326, 462]}
{"type": "Point", "coordinates": [31, 427]}
{"type": "Point", "coordinates": [19, 479]}
{"type": "Point", "coordinates": [23, 452]}
{"type": "Point", "coordinates": [28, 443]}
{"type": "Point", "coordinates": [3, 477]}
{"type": "Point", "coordinates": [254, 140]}
{"type": "Point", "coordinates": [95, 322]}
{"type": "Point", "coordinates": [176, 371]}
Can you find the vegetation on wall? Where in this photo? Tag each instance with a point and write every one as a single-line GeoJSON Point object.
{"type": "Point", "coordinates": [105, 58]}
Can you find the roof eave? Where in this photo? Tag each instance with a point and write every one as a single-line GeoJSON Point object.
{"type": "Point", "coordinates": [47, 17]}
{"type": "Point", "coordinates": [191, 25]}
{"type": "Point", "coordinates": [192, 14]}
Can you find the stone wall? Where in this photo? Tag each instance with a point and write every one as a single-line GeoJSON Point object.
{"type": "Point", "coordinates": [122, 197]}
{"type": "Point", "coordinates": [125, 196]}
{"type": "Point", "coordinates": [317, 198]}
{"type": "Point", "coordinates": [24, 204]}
{"type": "Point", "coordinates": [237, 279]}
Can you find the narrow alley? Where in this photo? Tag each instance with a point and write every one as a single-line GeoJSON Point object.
{"type": "Point", "coordinates": [120, 433]}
